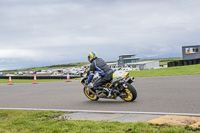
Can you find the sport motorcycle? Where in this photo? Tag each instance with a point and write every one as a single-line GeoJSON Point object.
{"type": "Point", "coordinates": [120, 86]}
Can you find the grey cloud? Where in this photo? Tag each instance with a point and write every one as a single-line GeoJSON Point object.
{"type": "Point", "coordinates": [66, 30]}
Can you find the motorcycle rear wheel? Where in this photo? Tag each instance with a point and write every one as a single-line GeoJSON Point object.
{"type": "Point", "coordinates": [131, 93]}
{"type": "Point", "coordinates": [89, 95]}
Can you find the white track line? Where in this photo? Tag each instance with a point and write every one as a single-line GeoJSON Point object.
{"type": "Point", "coordinates": [101, 111]}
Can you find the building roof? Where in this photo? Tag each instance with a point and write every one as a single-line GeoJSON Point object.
{"type": "Point", "coordinates": [143, 62]}
{"type": "Point", "coordinates": [127, 54]}
{"type": "Point", "coordinates": [190, 46]}
{"type": "Point", "coordinates": [130, 58]}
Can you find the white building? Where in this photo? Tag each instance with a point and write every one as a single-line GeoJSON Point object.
{"type": "Point", "coordinates": [113, 65]}
{"type": "Point", "coordinates": [144, 65]}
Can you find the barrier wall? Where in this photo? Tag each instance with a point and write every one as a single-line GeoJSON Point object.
{"type": "Point", "coordinates": [40, 77]}
{"type": "Point", "coordinates": [183, 62]}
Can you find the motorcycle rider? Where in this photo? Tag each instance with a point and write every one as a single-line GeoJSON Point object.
{"type": "Point", "coordinates": [105, 72]}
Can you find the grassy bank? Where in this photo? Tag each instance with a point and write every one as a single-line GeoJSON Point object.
{"type": "Point", "coordinates": [79, 64]}
{"type": "Point", "coordinates": [163, 61]}
{"type": "Point", "coordinates": [171, 71]}
{"type": "Point", "coordinates": [64, 66]}
{"type": "Point", "coordinates": [44, 121]}
{"type": "Point", "coordinates": [31, 80]}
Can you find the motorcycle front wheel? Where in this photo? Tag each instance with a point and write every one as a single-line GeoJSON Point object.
{"type": "Point", "coordinates": [131, 93]}
{"type": "Point", "coordinates": [89, 95]}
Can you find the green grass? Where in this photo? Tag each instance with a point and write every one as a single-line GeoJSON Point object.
{"type": "Point", "coordinates": [31, 80]}
{"type": "Point", "coordinates": [163, 61]}
{"type": "Point", "coordinates": [14, 121]}
{"type": "Point", "coordinates": [171, 71]}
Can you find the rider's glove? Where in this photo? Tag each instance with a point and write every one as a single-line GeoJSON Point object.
{"type": "Point", "coordinates": [86, 83]}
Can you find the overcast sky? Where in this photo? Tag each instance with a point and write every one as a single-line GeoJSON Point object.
{"type": "Point", "coordinates": [46, 32]}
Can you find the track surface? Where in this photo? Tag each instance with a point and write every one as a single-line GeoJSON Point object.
{"type": "Point", "coordinates": [176, 94]}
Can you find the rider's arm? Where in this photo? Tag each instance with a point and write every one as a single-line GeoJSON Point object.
{"type": "Point", "coordinates": [92, 70]}
{"type": "Point", "coordinates": [90, 77]}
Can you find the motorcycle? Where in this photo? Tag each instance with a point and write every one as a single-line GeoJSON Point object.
{"type": "Point", "coordinates": [120, 86]}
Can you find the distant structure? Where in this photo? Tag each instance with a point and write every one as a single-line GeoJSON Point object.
{"type": "Point", "coordinates": [128, 62]}
{"type": "Point", "coordinates": [113, 65]}
{"type": "Point", "coordinates": [145, 65]}
{"type": "Point", "coordinates": [191, 52]}
{"type": "Point", "coordinates": [127, 58]}
{"type": "Point", "coordinates": [191, 56]}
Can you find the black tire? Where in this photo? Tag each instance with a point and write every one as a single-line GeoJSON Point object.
{"type": "Point", "coordinates": [131, 92]}
{"type": "Point", "coordinates": [90, 95]}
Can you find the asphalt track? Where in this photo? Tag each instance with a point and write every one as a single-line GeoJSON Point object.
{"type": "Point", "coordinates": [171, 94]}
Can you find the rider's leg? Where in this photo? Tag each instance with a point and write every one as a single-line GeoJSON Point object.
{"type": "Point", "coordinates": [98, 86]}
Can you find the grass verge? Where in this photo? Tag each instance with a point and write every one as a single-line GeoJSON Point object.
{"type": "Point", "coordinates": [43, 121]}
{"type": "Point", "coordinates": [171, 71]}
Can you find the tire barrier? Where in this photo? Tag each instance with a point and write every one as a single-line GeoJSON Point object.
{"type": "Point", "coordinates": [183, 62]}
{"type": "Point", "coordinates": [40, 77]}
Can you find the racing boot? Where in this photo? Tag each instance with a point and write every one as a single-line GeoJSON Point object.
{"type": "Point", "coordinates": [108, 90]}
